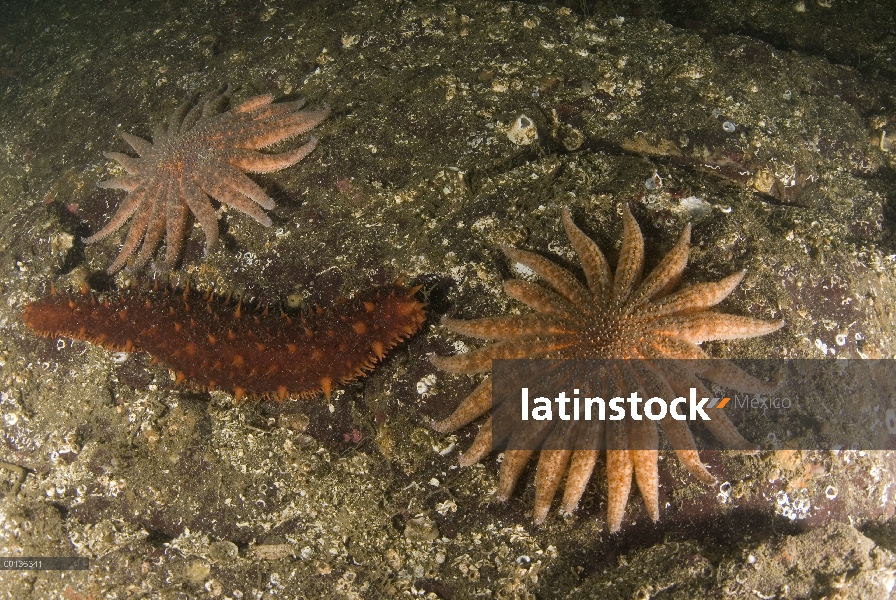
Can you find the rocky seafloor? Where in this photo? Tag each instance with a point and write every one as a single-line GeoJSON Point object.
{"type": "Point", "coordinates": [455, 128]}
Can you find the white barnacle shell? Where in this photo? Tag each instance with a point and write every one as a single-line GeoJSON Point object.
{"type": "Point", "coordinates": [523, 131]}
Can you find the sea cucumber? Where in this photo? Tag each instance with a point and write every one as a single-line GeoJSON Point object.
{"type": "Point", "coordinates": [217, 343]}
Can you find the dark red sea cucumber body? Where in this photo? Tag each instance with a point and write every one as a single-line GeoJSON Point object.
{"type": "Point", "coordinates": [217, 343]}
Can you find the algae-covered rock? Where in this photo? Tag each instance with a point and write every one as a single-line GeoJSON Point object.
{"type": "Point", "coordinates": [454, 129]}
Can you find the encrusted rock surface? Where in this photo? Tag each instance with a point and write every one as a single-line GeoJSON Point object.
{"type": "Point", "coordinates": [780, 158]}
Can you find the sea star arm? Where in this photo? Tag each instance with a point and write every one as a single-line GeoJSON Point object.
{"type": "Point", "coordinates": [277, 129]}
{"type": "Point", "coordinates": [226, 194]}
{"type": "Point", "coordinates": [254, 103]}
{"type": "Point", "coordinates": [129, 206]}
{"type": "Point", "coordinates": [511, 469]}
{"type": "Point", "coordinates": [135, 234]}
{"type": "Point", "coordinates": [666, 274]}
{"type": "Point", "coordinates": [209, 105]}
{"type": "Point", "coordinates": [215, 101]}
{"type": "Point", "coordinates": [481, 446]}
{"type": "Point", "coordinates": [538, 298]}
{"type": "Point", "coordinates": [269, 110]}
{"type": "Point", "coordinates": [692, 299]}
{"type": "Point", "coordinates": [710, 325]}
{"type": "Point", "coordinates": [177, 117]}
{"type": "Point", "coordinates": [259, 162]}
{"type": "Point", "coordinates": [594, 264]}
{"type": "Point", "coordinates": [619, 485]}
{"type": "Point", "coordinates": [581, 467]}
{"type": "Point", "coordinates": [522, 445]}
{"type": "Point", "coordinates": [682, 441]}
{"type": "Point", "coordinates": [729, 375]}
{"type": "Point", "coordinates": [682, 379]}
{"type": "Point", "coordinates": [140, 146]}
{"type": "Point", "coordinates": [644, 441]}
{"type": "Point", "coordinates": [226, 175]}
{"type": "Point", "coordinates": [175, 227]}
{"type": "Point", "coordinates": [202, 209]}
{"type": "Point", "coordinates": [552, 465]}
{"type": "Point", "coordinates": [128, 163]}
{"type": "Point", "coordinates": [507, 326]}
{"type": "Point", "coordinates": [671, 347]}
{"type": "Point", "coordinates": [631, 258]}
{"type": "Point", "coordinates": [480, 360]}
{"type": "Point", "coordinates": [160, 135]}
{"type": "Point", "coordinates": [643, 437]}
{"type": "Point", "coordinates": [471, 408]}
{"type": "Point", "coordinates": [559, 278]}
{"type": "Point", "coordinates": [724, 430]}
{"type": "Point", "coordinates": [155, 229]}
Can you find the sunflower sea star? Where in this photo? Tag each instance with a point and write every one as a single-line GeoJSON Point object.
{"type": "Point", "coordinates": [616, 316]}
{"type": "Point", "coordinates": [201, 152]}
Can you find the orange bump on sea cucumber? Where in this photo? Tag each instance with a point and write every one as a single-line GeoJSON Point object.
{"type": "Point", "coordinates": [204, 339]}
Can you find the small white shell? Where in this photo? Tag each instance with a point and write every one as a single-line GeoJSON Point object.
{"type": "Point", "coordinates": [523, 131]}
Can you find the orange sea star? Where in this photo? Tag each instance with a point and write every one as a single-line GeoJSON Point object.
{"type": "Point", "coordinates": [615, 316]}
{"type": "Point", "coordinates": [201, 152]}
